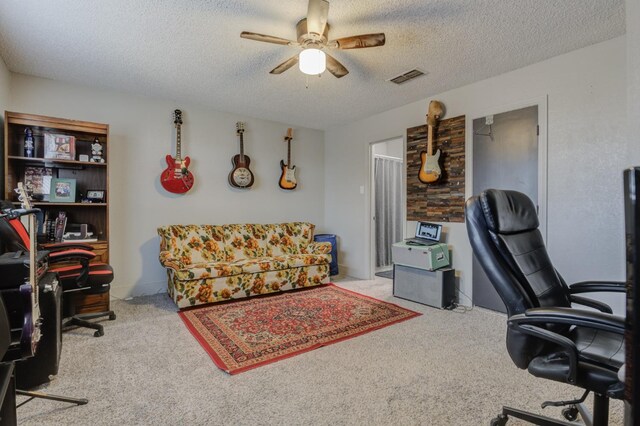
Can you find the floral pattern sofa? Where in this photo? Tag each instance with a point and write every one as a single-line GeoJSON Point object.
{"type": "Point", "coordinates": [211, 263]}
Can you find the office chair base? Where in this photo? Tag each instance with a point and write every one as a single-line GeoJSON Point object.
{"type": "Point", "coordinates": [600, 415]}
{"type": "Point", "coordinates": [81, 321]}
{"type": "Point", "coordinates": [33, 395]}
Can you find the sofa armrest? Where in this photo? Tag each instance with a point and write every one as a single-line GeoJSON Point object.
{"type": "Point", "coordinates": [319, 248]}
{"type": "Point", "coordinates": [168, 261]}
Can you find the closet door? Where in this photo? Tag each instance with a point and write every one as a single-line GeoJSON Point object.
{"type": "Point", "coordinates": [505, 156]}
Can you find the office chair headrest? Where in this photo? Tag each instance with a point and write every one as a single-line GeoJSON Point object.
{"type": "Point", "coordinates": [508, 212]}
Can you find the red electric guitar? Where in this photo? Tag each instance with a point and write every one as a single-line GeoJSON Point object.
{"type": "Point", "coordinates": [177, 178]}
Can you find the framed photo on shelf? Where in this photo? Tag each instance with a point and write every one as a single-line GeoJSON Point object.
{"type": "Point", "coordinates": [95, 196]}
{"type": "Point", "coordinates": [59, 147]}
{"type": "Point", "coordinates": [37, 180]}
{"type": "Point", "coordinates": [62, 191]}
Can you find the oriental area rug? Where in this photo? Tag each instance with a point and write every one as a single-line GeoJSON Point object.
{"type": "Point", "coordinates": [249, 333]}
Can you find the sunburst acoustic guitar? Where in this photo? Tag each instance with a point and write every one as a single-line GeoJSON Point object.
{"type": "Point", "coordinates": [430, 171]}
{"type": "Point", "coordinates": [176, 177]}
{"type": "Point", "coordinates": [241, 176]}
{"type": "Point", "coordinates": [288, 177]}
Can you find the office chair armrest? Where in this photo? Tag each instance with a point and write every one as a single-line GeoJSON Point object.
{"type": "Point", "coordinates": [53, 247]}
{"type": "Point", "coordinates": [564, 342]}
{"type": "Point", "coordinates": [595, 304]}
{"type": "Point", "coordinates": [571, 316]}
{"type": "Point", "coordinates": [597, 286]}
{"type": "Point", "coordinates": [63, 256]}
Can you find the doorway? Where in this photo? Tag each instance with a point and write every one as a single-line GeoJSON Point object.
{"type": "Point", "coordinates": [387, 202]}
{"type": "Point", "coordinates": [505, 156]}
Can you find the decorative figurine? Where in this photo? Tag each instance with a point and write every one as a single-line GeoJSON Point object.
{"type": "Point", "coordinates": [29, 143]}
{"type": "Point", "coordinates": [96, 152]}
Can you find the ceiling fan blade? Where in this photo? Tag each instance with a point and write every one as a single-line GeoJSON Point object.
{"type": "Point", "coordinates": [285, 65]}
{"type": "Point", "coordinates": [267, 38]}
{"type": "Point", "coordinates": [335, 67]}
{"type": "Point", "coordinates": [317, 16]}
{"type": "Point", "coordinates": [359, 41]}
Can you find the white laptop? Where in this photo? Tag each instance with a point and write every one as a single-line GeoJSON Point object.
{"type": "Point", "coordinates": [426, 234]}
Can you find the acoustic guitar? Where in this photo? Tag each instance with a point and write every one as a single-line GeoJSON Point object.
{"type": "Point", "coordinates": [177, 178]}
{"type": "Point", "coordinates": [288, 176]}
{"type": "Point", "coordinates": [241, 176]}
{"type": "Point", "coordinates": [430, 171]}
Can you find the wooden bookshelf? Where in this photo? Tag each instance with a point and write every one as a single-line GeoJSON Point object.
{"type": "Point", "coordinates": [88, 175]}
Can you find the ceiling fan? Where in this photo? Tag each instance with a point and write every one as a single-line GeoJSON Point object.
{"type": "Point", "coordinates": [313, 38]}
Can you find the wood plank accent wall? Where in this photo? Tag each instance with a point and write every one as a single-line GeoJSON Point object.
{"type": "Point", "coordinates": [442, 201]}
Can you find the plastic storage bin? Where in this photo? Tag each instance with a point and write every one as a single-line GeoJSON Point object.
{"type": "Point", "coordinates": [330, 238]}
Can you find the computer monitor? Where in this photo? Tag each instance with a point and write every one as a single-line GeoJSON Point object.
{"type": "Point", "coordinates": [632, 321]}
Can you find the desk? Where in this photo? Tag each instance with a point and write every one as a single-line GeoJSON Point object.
{"type": "Point", "coordinates": [414, 278]}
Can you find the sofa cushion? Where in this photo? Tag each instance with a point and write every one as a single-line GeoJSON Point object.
{"type": "Point", "coordinates": [207, 270]}
{"type": "Point", "coordinates": [298, 260]}
{"type": "Point", "coordinates": [245, 241]}
{"type": "Point", "coordinates": [289, 238]}
{"type": "Point", "coordinates": [192, 244]}
{"type": "Point", "coordinates": [262, 264]}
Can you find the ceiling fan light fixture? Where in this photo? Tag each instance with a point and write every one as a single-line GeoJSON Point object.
{"type": "Point", "coordinates": [312, 61]}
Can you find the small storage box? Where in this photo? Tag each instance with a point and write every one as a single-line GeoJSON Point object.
{"type": "Point", "coordinates": [424, 257]}
{"type": "Point", "coordinates": [433, 288]}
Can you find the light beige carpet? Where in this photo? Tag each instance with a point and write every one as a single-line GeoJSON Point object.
{"type": "Point", "coordinates": [442, 368]}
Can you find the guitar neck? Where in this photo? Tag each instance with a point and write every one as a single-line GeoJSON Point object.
{"type": "Point", "coordinates": [430, 140]}
{"type": "Point", "coordinates": [178, 143]}
{"type": "Point", "coordinates": [242, 145]}
{"type": "Point", "coordinates": [288, 137]}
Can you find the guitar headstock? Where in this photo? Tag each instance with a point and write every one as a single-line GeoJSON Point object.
{"type": "Point", "coordinates": [435, 113]}
{"type": "Point", "coordinates": [289, 136]}
{"type": "Point", "coordinates": [23, 196]}
{"type": "Point", "coordinates": [239, 127]}
{"type": "Point", "coordinates": [177, 117]}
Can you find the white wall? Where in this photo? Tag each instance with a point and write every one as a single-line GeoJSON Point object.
{"type": "Point", "coordinates": [142, 133]}
{"type": "Point", "coordinates": [586, 92]}
{"type": "Point", "coordinates": [5, 77]}
{"type": "Point", "coordinates": [393, 148]}
{"type": "Point", "coordinates": [633, 79]}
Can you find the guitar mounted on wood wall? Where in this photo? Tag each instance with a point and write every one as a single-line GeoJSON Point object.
{"type": "Point", "coordinates": [288, 176]}
{"type": "Point", "coordinates": [241, 176]}
{"type": "Point", "coordinates": [177, 178]}
{"type": "Point", "coordinates": [430, 171]}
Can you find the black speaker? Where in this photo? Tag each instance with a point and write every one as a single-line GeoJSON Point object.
{"type": "Point", "coordinates": [36, 370]}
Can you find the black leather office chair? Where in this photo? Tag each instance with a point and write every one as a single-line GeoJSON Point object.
{"type": "Point", "coordinates": [545, 335]}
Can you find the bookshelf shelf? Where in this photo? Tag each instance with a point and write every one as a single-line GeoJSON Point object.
{"type": "Point", "coordinates": [54, 161]}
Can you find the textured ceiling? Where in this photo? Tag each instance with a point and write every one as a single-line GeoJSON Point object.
{"type": "Point", "coordinates": [191, 50]}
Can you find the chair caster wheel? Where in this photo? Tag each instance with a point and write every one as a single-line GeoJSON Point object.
{"type": "Point", "coordinates": [98, 333]}
{"type": "Point", "coordinates": [570, 413]}
{"type": "Point", "coordinates": [501, 420]}
{"type": "Point", "coordinates": [112, 317]}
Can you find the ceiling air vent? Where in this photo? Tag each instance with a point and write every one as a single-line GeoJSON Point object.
{"type": "Point", "coordinates": [409, 75]}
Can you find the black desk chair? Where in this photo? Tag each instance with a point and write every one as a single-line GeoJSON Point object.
{"type": "Point", "coordinates": [545, 335]}
{"type": "Point", "coordinates": [72, 264]}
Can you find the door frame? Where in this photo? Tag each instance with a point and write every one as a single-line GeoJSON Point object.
{"type": "Point", "coordinates": [543, 149]}
{"type": "Point", "coordinates": [372, 199]}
